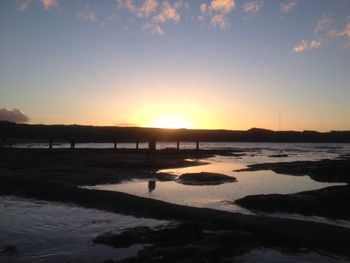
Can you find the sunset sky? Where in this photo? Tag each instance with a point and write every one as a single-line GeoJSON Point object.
{"type": "Point", "coordinates": [219, 64]}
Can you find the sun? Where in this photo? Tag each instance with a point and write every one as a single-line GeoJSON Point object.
{"type": "Point", "coordinates": [171, 122]}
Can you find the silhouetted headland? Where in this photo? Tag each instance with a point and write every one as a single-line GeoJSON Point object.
{"type": "Point", "coordinates": [132, 134]}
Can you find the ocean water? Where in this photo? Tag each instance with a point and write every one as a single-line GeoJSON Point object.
{"type": "Point", "coordinates": [222, 196]}
{"type": "Point", "coordinates": [54, 232]}
{"type": "Point", "coordinates": [249, 146]}
{"type": "Point", "coordinates": [266, 255]}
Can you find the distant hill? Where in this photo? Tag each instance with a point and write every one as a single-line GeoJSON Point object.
{"type": "Point", "coordinates": [125, 134]}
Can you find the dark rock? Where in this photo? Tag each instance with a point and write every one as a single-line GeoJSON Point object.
{"type": "Point", "coordinates": [332, 171]}
{"type": "Point", "coordinates": [137, 235]}
{"type": "Point", "coordinates": [193, 242]}
{"type": "Point", "coordinates": [165, 177]}
{"type": "Point", "coordinates": [205, 179]}
{"type": "Point", "coordinates": [9, 250]}
{"type": "Point", "coordinates": [278, 155]}
{"type": "Point", "coordinates": [332, 202]}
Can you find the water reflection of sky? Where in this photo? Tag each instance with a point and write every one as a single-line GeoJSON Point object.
{"type": "Point", "coordinates": [221, 196]}
{"type": "Point", "coordinates": [54, 232]}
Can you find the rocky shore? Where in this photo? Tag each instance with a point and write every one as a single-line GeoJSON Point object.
{"type": "Point", "coordinates": [57, 175]}
{"type": "Point", "coordinates": [331, 202]}
{"type": "Point", "coordinates": [330, 171]}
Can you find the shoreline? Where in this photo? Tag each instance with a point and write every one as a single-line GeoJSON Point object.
{"type": "Point", "coordinates": [28, 173]}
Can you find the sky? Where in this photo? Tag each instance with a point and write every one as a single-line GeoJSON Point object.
{"type": "Point", "coordinates": [208, 64]}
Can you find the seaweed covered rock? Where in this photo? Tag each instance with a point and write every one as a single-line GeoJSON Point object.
{"type": "Point", "coordinates": [205, 179]}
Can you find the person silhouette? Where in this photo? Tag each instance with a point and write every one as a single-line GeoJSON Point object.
{"type": "Point", "coordinates": [151, 185]}
{"type": "Point", "coordinates": [72, 143]}
{"type": "Point", "coordinates": [151, 154]}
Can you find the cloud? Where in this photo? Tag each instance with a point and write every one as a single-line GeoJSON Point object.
{"type": "Point", "coordinates": [14, 115]}
{"type": "Point", "coordinates": [23, 5]}
{"type": "Point", "coordinates": [224, 6]}
{"type": "Point", "coordinates": [216, 11]}
{"type": "Point", "coordinates": [49, 3]}
{"type": "Point", "coordinates": [288, 6]}
{"type": "Point", "coordinates": [127, 5]}
{"type": "Point", "coordinates": [323, 24]}
{"type": "Point", "coordinates": [252, 7]}
{"type": "Point", "coordinates": [166, 12]}
{"type": "Point", "coordinates": [87, 15]}
{"type": "Point", "coordinates": [144, 10]}
{"type": "Point", "coordinates": [169, 13]}
{"type": "Point", "coordinates": [344, 32]}
{"type": "Point", "coordinates": [304, 45]}
{"type": "Point", "coordinates": [154, 29]}
{"type": "Point", "coordinates": [314, 44]}
{"type": "Point", "coordinates": [148, 7]}
{"type": "Point", "coordinates": [203, 8]}
{"type": "Point", "coordinates": [219, 21]}
{"type": "Point", "coordinates": [325, 32]}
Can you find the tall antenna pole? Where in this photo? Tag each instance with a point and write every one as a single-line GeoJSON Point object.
{"type": "Point", "coordinates": [279, 119]}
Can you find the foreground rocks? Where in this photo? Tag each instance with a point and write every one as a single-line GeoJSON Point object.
{"type": "Point", "coordinates": [55, 175]}
{"type": "Point", "coordinates": [331, 202]}
{"type": "Point", "coordinates": [270, 231]}
{"type": "Point", "coordinates": [331, 171]}
{"type": "Point", "coordinates": [205, 179]}
{"type": "Point", "coordinates": [93, 166]}
{"type": "Point", "coordinates": [9, 250]}
{"type": "Point", "coordinates": [186, 242]}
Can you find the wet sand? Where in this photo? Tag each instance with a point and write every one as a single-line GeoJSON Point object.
{"type": "Point", "coordinates": [55, 175]}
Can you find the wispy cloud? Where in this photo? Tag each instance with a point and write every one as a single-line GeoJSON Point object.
{"type": "Point", "coordinates": [154, 29]}
{"type": "Point", "coordinates": [304, 45]}
{"type": "Point", "coordinates": [87, 14]}
{"type": "Point", "coordinates": [49, 3]}
{"type": "Point", "coordinates": [169, 12]}
{"type": "Point", "coordinates": [154, 13]}
{"type": "Point", "coordinates": [219, 20]}
{"type": "Point", "coordinates": [324, 24]}
{"type": "Point", "coordinates": [147, 8]}
{"type": "Point", "coordinates": [326, 32]}
{"type": "Point", "coordinates": [223, 6]}
{"type": "Point", "coordinates": [166, 13]}
{"type": "Point", "coordinates": [144, 10]}
{"type": "Point", "coordinates": [14, 115]}
{"type": "Point", "coordinates": [289, 6]}
{"type": "Point", "coordinates": [217, 10]}
{"type": "Point", "coordinates": [252, 7]}
{"type": "Point", "coordinates": [23, 5]}
{"type": "Point", "coordinates": [345, 32]}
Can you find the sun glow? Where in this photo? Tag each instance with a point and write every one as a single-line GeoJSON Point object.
{"type": "Point", "coordinates": [174, 115]}
{"type": "Point", "coordinates": [170, 122]}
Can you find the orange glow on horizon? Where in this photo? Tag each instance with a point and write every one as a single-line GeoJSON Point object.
{"type": "Point", "coordinates": [171, 122]}
{"type": "Point", "coordinates": [172, 115]}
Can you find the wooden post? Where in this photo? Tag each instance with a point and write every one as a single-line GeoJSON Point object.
{"type": "Point", "coordinates": [197, 145]}
{"type": "Point", "coordinates": [137, 144]}
{"type": "Point", "coordinates": [50, 143]}
{"type": "Point", "coordinates": [178, 145]}
{"type": "Point", "coordinates": [72, 143]}
{"type": "Point", "coordinates": [115, 144]}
